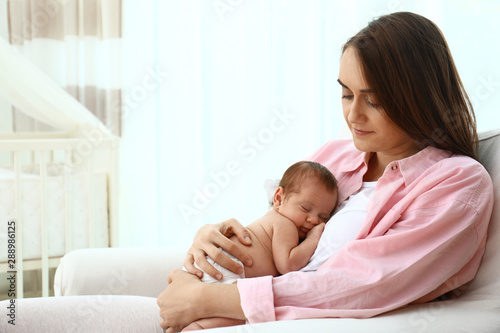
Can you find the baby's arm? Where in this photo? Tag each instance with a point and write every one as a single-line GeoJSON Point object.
{"type": "Point", "coordinates": [288, 254]}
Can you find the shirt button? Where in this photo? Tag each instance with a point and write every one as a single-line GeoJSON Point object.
{"type": "Point", "coordinates": [394, 167]}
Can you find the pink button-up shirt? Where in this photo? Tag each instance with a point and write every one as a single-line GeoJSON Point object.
{"type": "Point", "coordinates": [423, 236]}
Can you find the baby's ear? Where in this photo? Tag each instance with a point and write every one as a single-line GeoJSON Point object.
{"type": "Point", "coordinates": [270, 185]}
{"type": "Point", "coordinates": [279, 195]}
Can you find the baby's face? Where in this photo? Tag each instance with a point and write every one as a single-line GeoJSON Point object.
{"type": "Point", "coordinates": [312, 205]}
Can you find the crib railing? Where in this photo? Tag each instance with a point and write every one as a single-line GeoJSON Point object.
{"type": "Point", "coordinates": [39, 149]}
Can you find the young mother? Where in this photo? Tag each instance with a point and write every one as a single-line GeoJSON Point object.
{"type": "Point", "coordinates": [413, 133]}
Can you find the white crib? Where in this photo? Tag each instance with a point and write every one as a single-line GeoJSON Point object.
{"type": "Point", "coordinates": [61, 194]}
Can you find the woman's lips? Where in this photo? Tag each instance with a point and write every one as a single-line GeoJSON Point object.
{"type": "Point", "coordinates": [361, 133]}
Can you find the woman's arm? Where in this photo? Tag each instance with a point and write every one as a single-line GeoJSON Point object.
{"type": "Point", "coordinates": [207, 242]}
{"type": "Point", "coordinates": [187, 299]}
{"type": "Point", "coordinates": [429, 243]}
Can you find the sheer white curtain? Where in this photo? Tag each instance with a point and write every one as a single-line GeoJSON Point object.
{"type": "Point", "coordinates": [75, 42]}
{"type": "Point", "coordinates": [221, 94]}
{"type": "Point", "coordinates": [24, 86]}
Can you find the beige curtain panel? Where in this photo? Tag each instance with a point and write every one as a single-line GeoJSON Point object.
{"type": "Point", "coordinates": [27, 88]}
{"type": "Point", "coordinates": [78, 44]}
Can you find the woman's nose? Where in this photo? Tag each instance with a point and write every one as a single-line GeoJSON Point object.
{"type": "Point", "coordinates": [356, 114]}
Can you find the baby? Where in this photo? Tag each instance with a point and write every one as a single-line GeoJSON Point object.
{"type": "Point", "coordinates": [285, 238]}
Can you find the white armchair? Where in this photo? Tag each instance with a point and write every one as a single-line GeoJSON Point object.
{"type": "Point", "coordinates": [142, 272]}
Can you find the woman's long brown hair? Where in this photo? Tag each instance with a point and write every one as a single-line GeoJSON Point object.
{"type": "Point", "coordinates": [407, 62]}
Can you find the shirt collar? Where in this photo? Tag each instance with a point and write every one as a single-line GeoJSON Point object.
{"type": "Point", "coordinates": [356, 162]}
{"type": "Point", "coordinates": [410, 167]}
{"type": "Point", "coordinates": [413, 166]}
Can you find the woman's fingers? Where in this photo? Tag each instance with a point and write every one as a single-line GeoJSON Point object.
{"type": "Point", "coordinates": [206, 266]}
{"type": "Point", "coordinates": [233, 227]}
{"type": "Point", "coordinates": [237, 250]}
{"type": "Point", "coordinates": [229, 228]}
{"type": "Point", "coordinates": [176, 273]}
{"type": "Point", "coordinates": [223, 260]}
{"type": "Point", "coordinates": [209, 240]}
{"type": "Point", "coordinates": [190, 267]}
{"type": "Point", "coordinates": [216, 255]}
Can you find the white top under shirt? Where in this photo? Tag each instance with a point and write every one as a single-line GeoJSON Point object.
{"type": "Point", "coordinates": [343, 227]}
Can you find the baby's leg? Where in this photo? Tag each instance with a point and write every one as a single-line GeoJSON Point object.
{"type": "Point", "coordinates": [206, 323]}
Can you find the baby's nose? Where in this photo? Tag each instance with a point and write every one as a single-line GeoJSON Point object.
{"type": "Point", "coordinates": [313, 220]}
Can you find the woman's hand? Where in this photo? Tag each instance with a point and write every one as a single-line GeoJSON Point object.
{"type": "Point", "coordinates": [207, 242]}
{"type": "Point", "coordinates": [178, 302]}
{"type": "Point", "coordinates": [187, 299]}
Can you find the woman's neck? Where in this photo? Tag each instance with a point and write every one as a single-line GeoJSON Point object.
{"type": "Point", "coordinates": [375, 170]}
{"type": "Point", "coordinates": [378, 163]}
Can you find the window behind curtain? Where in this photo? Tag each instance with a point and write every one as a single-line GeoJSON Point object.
{"type": "Point", "coordinates": [221, 95]}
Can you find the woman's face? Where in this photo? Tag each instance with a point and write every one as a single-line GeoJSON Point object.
{"type": "Point", "coordinates": [371, 129]}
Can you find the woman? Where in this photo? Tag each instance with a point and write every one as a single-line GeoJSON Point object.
{"type": "Point", "coordinates": [424, 233]}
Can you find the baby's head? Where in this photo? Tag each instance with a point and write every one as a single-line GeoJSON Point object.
{"type": "Point", "coordinates": [307, 195]}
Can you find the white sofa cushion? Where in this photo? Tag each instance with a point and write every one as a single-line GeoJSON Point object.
{"type": "Point", "coordinates": [487, 280]}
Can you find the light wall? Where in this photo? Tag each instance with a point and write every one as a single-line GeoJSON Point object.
{"type": "Point", "coordinates": [221, 95]}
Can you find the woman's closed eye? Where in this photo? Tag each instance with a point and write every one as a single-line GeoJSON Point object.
{"type": "Point", "coordinates": [368, 101]}
{"type": "Point", "coordinates": [371, 103]}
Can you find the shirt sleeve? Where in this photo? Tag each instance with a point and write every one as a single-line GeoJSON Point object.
{"type": "Point", "coordinates": [430, 248]}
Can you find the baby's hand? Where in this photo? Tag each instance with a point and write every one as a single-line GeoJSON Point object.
{"type": "Point", "coordinates": [316, 231]}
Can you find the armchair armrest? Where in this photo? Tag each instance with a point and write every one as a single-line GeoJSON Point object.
{"type": "Point", "coordinates": [117, 271]}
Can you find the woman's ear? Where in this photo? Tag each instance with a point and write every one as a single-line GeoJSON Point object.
{"type": "Point", "coordinates": [279, 195]}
